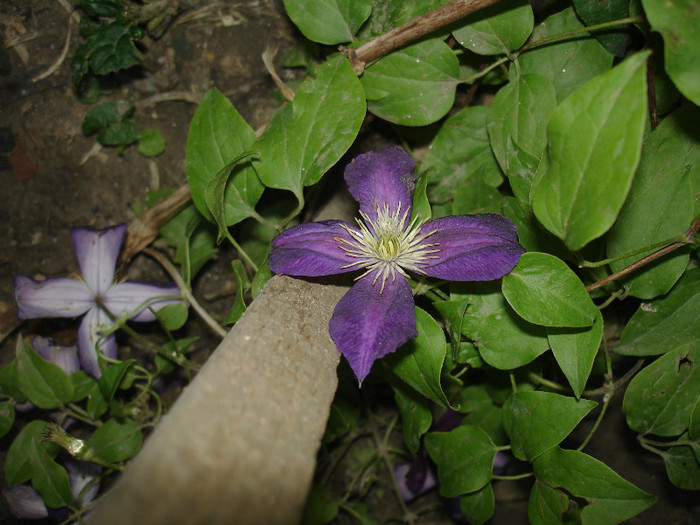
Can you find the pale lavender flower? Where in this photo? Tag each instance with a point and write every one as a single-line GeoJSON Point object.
{"type": "Point", "coordinates": [25, 503]}
{"type": "Point", "coordinates": [65, 356]}
{"type": "Point", "coordinates": [377, 315]}
{"type": "Point", "coordinates": [96, 295]}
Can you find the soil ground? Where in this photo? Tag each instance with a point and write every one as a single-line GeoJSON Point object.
{"type": "Point", "coordinates": [52, 177]}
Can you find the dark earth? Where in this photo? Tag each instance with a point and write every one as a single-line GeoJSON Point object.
{"type": "Point", "coordinates": [54, 178]}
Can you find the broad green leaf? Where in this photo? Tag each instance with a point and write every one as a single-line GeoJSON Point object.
{"type": "Point", "coordinates": [419, 362]}
{"type": "Point", "coordinates": [660, 398]}
{"type": "Point", "coordinates": [121, 134]}
{"type": "Point", "coordinates": [575, 350]}
{"type": "Point", "coordinates": [610, 499]}
{"type": "Point", "coordinates": [44, 383]}
{"type": "Point", "coordinates": [464, 458]}
{"type": "Point", "coordinates": [215, 193]}
{"type": "Point", "coordinates": [7, 417]}
{"type": "Point", "coordinates": [616, 41]}
{"type": "Point", "coordinates": [108, 49]}
{"type": "Point", "coordinates": [218, 135]}
{"type": "Point", "coordinates": [497, 29]}
{"type": "Point", "coordinates": [477, 507]}
{"type": "Point", "coordinates": [568, 63]}
{"type": "Point", "coordinates": [682, 467]}
{"type": "Point", "coordinates": [107, 114]}
{"type": "Point", "coordinates": [103, 8]}
{"type": "Point", "coordinates": [388, 14]}
{"type": "Point", "coordinates": [677, 21]}
{"type": "Point", "coordinates": [547, 505]}
{"type": "Point", "coordinates": [193, 238]}
{"type": "Point", "coordinates": [114, 441]}
{"type": "Point", "coordinates": [667, 323]}
{"type": "Point", "coordinates": [538, 421]}
{"type": "Point", "coordinates": [543, 290]}
{"type": "Point", "coordinates": [414, 85]}
{"type": "Point", "coordinates": [421, 204]}
{"type": "Point", "coordinates": [309, 135]}
{"type": "Point", "coordinates": [49, 478]}
{"type": "Point", "coordinates": [694, 425]}
{"type": "Point", "coordinates": [321, 506]}
{"type": "Point", "coordinates": [82, 385]}
{"type": "Point", "coordinates": [151, 142]}
{"type": "Point", "coordinates": [173, 316]}
{"type": "Point", "coordinates": [532, 236]}
{"type": "Point", "coordinates": [97, 404]}
{"type": "Point", "coordinates": [328, 21]}
{"type": "Point", "coordinates": [9, 382]}
{"type": "Point", "coordinates": [21, 458]}
{"type": "Point", "coordinates": [476, 196]}
{"type": "Point", "coordinates": [660, 204]}
{"type": "Point", "coordinates": [459, 152]}
{"type": "Point", "coordinates": [595, 138]}
{"type": "Point", "coordinates": [517, 126]}
{"type": "Point", "coordinates": [415, 414]}
{"type": "Point", "coordinates": [504, 339]}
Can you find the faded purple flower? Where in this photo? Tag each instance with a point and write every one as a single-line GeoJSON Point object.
{"type": "Point", "coordinates": [66, 357]}
{"type": "Point", "coordinates": [25, 503]}
{"type": "Point", "coordinates": [96, 295]}
{"type": "Point", "coordinates": [377, 315]}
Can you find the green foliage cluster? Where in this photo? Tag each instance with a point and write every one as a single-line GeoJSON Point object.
{"type": "Point", "coordinates": [569, 150]}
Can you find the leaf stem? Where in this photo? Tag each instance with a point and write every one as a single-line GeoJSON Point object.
{"type": "Point", "coordinates": [514, 477]}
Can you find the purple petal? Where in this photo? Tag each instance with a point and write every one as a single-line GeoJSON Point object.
{"type": "Point", "coordinates": [472, 247]}
{"type": "Point", "coordinates": [51, 298]}
{"type": "Point", "coordinates": [311, 250]}
{"type": "Point", "coordinates": [136, 298]}
{"type": "Point", "coordinates": [89, 335]}
{"type": "Point", "coordinates": [97, 252]}
{"type": "Point", "coordinates": [64, 356]}
{"type": "Point", "coordinates": [80, 473]}
{"type": "Point", "coordinates": [25, 503]}
{"type": "Point", "coordinates": [379, 179]}
{"type": "Point", "coordinates": [366, 324]}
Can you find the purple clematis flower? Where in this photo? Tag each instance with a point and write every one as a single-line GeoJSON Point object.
{"type": "Point", "coordinates": [377, 315]}
{"type": "Point", "coordinates": [96, 295]}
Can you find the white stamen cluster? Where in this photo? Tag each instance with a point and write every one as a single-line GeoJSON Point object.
{"type": "Point", "coordinates": [388, 245]}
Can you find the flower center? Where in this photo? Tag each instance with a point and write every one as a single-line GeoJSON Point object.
{"type": "Point", "coordinates": [388, 244]}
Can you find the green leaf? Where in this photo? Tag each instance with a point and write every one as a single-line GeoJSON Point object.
{"type": "Point", "coordinates": [345, 410]}
{"type": "Point", "coordinates": [694, 425]}
{"type": "Point", "coordinates": [49, 478]}
{"type": "Point", "coordinates": [97, 404]}
{"type": "Point", "coordinates": [21, 457]}
{"type": "Point", "coordinates": [666, 323]}
{"type": "Point", "coordinates": [242, 287]}
{"type": "Point", "coordinates": [173, 316]}
{"type": "Point", "coordinates": [216, 199]}
{"type": "Point", "coordinates": [7, 417]}
{"type": "Point", "coordinates": [108, 49]}
{"type": "Point", "coordinates": [328, 21]}
{"type": "Point", "coordinates": [660, 398]}
{"type": "Point", "coordinates": [193, 238]}
{"type": "Point", "coordinates": [504, 339]}
{"type": "Point", "coordinates": [464, 459]}
{"type": "Point", "coordinates": [9, 382]}
{"type": "Point", "coordinates": [677, 21]}
{"type": "Point", "coordinates": [538, 421]}
{"type": "Point", "coordinates": [517, 127]}
{"type": "Point", "coordinates": [543, 290]}
{"type": "Point", "coordinates": [421, 204]}
{"type": "Point", "coordinates": [419, 362]}
{"type": "Point", "coordinates": [575, 350]}
{"type": "Point", "coordinates": [610, 499]}
{"type": "Point", "coordinates": [114, 441]}
{"type": "Point", "coordinates": [44, 383]}
{"type": "Point", "coordinates": [476, 196]}
{"type": "Point", "coordinates": [414, 85]}
{"type": "Point", "coordinates": [682, 467]}
{"type": "Point", "coordinates": [595, 138]}
{"type": "Point", "coordinates": [321, 506]}
{"type": "Point", "coordinates": [308, 136]}
{"type": "Point", "coordinates": [388, 14]}
{"type": "Point", "coordinates": [107, 114]}
{"type": "Point", "coordinates": [112, 377]}
{"type": "Point", "coordinates": [616, 41]}
{"type": "Point", "coordinates": [218, 135]}
{"type": "Point", "coordinates": [122, 134]}
{"type": "Point", "coordinates": [151, 142]}
{"type": "Point", "coordinates": [416, 417]}
{"type": "Point", "coordinates": [660, 204]}
{"type": "Point", "coordinates": [82, 385]}
{"type": "Point", "coordinates": [567, 63]}
{"type": "Point", "coordinates": [497, 29]}
{"type": "Point", "coordinates": [103, 8]}
{"type": "Point", "coordinates": [459, 152]}
{"type": "Point", "coordinates": [477, 507]}
{"type": "Point", "coordinates": [547, 505]}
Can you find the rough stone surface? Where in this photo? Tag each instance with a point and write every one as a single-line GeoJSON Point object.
{"type": "Point", "coordinates": [239, 446]}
